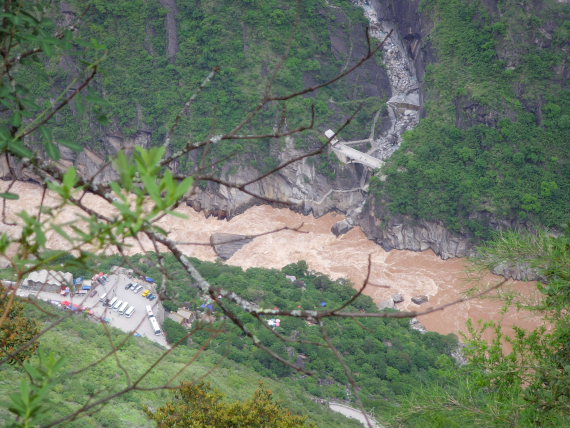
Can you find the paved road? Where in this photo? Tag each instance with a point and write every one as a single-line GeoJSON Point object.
{"type": "Point", "coordinates": [115, 286]}
{"type": "Point", "coordinates": [353, 413]}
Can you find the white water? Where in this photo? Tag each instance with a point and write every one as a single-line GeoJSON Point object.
{"type": "Point", "coordinates": [403, 83]}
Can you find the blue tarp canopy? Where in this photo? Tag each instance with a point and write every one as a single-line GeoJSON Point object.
{"type": "Point", "coordinates": [86, 287]}
{"type": "Point", "coordinates": [78, 280]}
{"type": "Point", "coordinates": [149, 279]}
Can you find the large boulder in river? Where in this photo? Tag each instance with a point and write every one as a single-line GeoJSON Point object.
{"type": "Point", "coordinates": [418, 300]}
{"type": "Point", "coordinates": [397, 298]}
{"type": "Point", "coordinates": [342, 227]}
{"type": "Point", "coordinates": [226, 244]}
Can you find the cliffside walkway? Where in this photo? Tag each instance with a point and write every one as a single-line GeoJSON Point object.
{"type": "Point", "coordinates": [347, 154]}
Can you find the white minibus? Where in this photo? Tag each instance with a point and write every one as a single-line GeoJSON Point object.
{"type": "Point", "coordinates": [117, 305]}
{"type": "Point", "coordinates": [123, 308]}
{"type": "Point", "coordinates": [129, 312]}
{"type": "Point", "coordinates": [113, 301]}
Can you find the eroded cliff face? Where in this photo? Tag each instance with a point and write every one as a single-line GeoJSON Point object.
{"type": "Point", "coordinates": [346, 189]}
{"type": "Point", "coordinates": [405, 57]}
{"type": "Point", "coordinates": [400, 232]}
{"type": "Point", "coordinates": [344, 186]}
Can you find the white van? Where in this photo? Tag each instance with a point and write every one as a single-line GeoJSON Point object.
{"type": "Point", "coordinates": [123, 308]}
{"type": "Point", "coordinates": [102, 298]}
{"type": "Point", "coordinates": [117, 305]}
{"type": "Point", "coordinates": [113, 301]}
{"type": "Point", "coordinates": [129, 312]}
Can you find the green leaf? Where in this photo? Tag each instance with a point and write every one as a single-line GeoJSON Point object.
{"type": "Point", "coordinates": [70, 178]}
{"type": "Point", "coordinates": [61, 232]}
{"type": "Point", "coordinates": [17, 119]}
{"type": "Point", "coordinates": [52, 150]}
{"type": "Point", "coordinates": [152, 189]}
{"type": "Point", "coordinates": [125, 169]}
{"type": "Point", "coordinates": [178, 214]}
{"type": "Point", "coordinates": [17, 148]}
{"type": "Point", "coordinates": [8, 195]}
{"type": "Point", "coordinates": [76, 147]}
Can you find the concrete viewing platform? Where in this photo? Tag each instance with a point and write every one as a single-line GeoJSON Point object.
{"type": "Point", "coordinates": [347, 154]}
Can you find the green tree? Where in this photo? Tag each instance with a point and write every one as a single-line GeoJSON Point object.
{"type": "Point", "coordinates": [16, 330]}
{"type": "Point", "coordinates": [174, 332]}
{"type": "Point", "coordinates": [197, 405]}
{"type": "Point", "coordinates": [527, 387]}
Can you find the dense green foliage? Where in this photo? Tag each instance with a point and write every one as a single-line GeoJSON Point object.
{"type": "Point", "coordinates": [528, 387]}
{"type": "Point", "coordinates": [145, 89]}
{"type": "Point", "coordinates": [496, 137]}
{"type": "Point", "coordinates": [387, 357]}
{"type": "Point", "coordinates": [16, 329]}
{"type": "Point", "coordinates": [174, 332]}
{"type": "Point", "coordinates": [198, 406]}
{"type": "Point", "coordinates": [82, 342]}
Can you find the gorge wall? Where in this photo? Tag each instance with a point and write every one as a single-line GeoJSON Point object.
{"type": "Point", "coordinates": [397, 84]}
{"type": "Point", "coordinates": [405, 57]}
{"type": "Point", "coordinates": [312, 185]}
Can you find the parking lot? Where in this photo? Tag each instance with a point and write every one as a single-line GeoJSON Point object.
{"type": "Point", "coordinates": [115, 287]}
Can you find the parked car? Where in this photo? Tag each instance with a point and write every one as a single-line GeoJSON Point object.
{"type": "Point", "coordinates": [139, 288]}
{"type": "Point", "coordinates": [129, 285]}
{"type": "Point", "coordinates": [151, 297]}
{"type": "Point", "coordinates": [145, 293]}
{"type": "Point", "coordinates": [93, 293]}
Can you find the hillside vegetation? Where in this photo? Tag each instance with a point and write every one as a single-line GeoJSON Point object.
{"type": "Point", "coordinates": [495, 142]}
{"type": "Point", "coordinates": [152, 70]}
{"type": "Point", "coordinates": [82, 342]}
{"type": "Point", "coordinates": [387, 357]}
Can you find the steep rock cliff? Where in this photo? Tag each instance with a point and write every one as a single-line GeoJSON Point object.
{"type": "Point", "coordinates": [399, 232]}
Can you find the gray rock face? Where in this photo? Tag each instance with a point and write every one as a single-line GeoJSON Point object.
{"type": "Point", "coordinates": [519, 271]}
{"type": "Point", "coordinates": [299, 184]}
{"type": "Point", "coordinates": [226, 244]}
{"type": "Point", "coordinates": [402, 233]}
{"type": "Point", "coordinates": [417, 325]}
{"type": "Point", "coordinates": [342, 227]}
{"type": "Point", "coordinates": [418, 300]}
{"type": "Point", "coordinates": [398, 298]}
{"type": "Point", "coordinates": [404, 104]}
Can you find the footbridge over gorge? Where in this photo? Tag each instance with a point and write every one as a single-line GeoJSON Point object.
{"type": "Point", "coordinates": [347, 154]}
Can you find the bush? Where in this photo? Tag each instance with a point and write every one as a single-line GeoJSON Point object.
{"type": "Point", "coordinates": [174, 331]}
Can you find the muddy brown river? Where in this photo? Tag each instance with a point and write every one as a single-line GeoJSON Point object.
{"type": "Point", "coordinates": [405, 272]}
